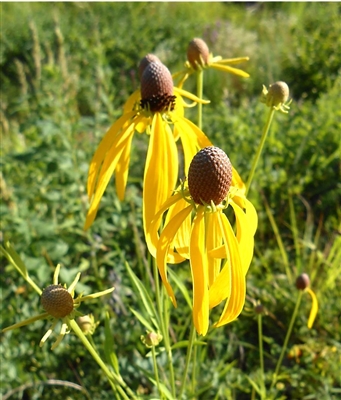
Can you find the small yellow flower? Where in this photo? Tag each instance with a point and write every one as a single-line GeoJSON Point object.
{"type": "Point", "coordinates": [196, 228]}
{"type": "Point", "coordinates": [157, 110]}
{"type": "Point", "coordinates": [199, 57]}
{"type": "Point", "coordinates": [59, 305]}
{"type": "Point", "coordinates": [303, 283]}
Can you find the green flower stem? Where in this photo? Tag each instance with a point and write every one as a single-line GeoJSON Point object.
{"type": "Point", "coordinates": [164, 326]}
{"type": "Point", "coordinates": [156, 371]}
{"type": "Point", "coordinates": [260, 148]}
{"type": "Point", "coordinates": [200, 83]}
{"type": "Point", "coordinates": [285, 344]}
{"type": "Point", "coordinates": [116, 381]}
{"type": "Point", "coordinates": [188, 359]}
{"type": "Point", "coordinates": [260, 345]}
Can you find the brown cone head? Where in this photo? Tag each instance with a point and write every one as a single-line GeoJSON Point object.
{"type": "Point", "coordinates": [57, 301]}
{"type": "Point", "coordinates": [196, 48]}
{"type": "Point", "coordinates": [157, 88]}
{"type": "Point", "coordinates": [209, 176]}
{"type": "Point", "coordinates": [302, 281]}
{"type": "Point", "coordinates": [149, 58]}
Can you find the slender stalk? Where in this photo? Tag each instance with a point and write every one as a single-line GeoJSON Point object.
{"type": "Point", "coordinates": [260, 148]}
{"type": "Point", "coordinates": [156, 372]}
{"type": "Point", "coordinates": [192, 337]}
{"type": "Point", "coordinates": [164, 326]}
{"type": "Point", "coordinates": [286, 340]}
{"type": "Point", "coordinates": [261, 355]}
{"type": "Point", "coordinates": [200, 83]}
{"type": "Point", "coordinates": [116, 382]}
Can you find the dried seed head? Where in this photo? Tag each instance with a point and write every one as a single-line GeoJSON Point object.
{"type": "Point", "coordinates": [278, 93]}
{"type": "Point", "coordinates": [209, 176]}
{"type": "Point", "coordinates": [197, 53]}
{"type": "Point", "coordinates": [157, 88]}
{"type": "Point", "coordinates": [149, 58]}
{"type": "Point", "coordinates": [57, 301]}
{"type": "Point", "coordinates": [302, 281]}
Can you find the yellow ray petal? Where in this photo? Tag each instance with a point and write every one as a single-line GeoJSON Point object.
{"type": "Point", "coordinates": [152, 229]}
{"type": "Point", "coordinates": [166, 239]}
{"type": "Point", "coordinates": [105, 144]}
{"type": "Point", "coordinates": [108, 167]}
{"type": "Point", "coordinates": [237, 60]}
{"type": "Point", "coordinates": [199, 271]}
{"type": "Point", "coordinates": [226, 68]}
{"type": "Point", "coordinates": [251, 215]}
{"type": "Point", "coordinates": [235, 303]}
{"type": "Point", "coordinates": [182, 237]}
{"type": "Point", "coordinates": [189, 95]}
{"type": "Point", "coordinates": [213, 240]}
{"type": "Point", "coordinates": [161, 170]}
{"type": "Point", "coordinates": [244, 236]}
{"type": "Point", "coordinates": [237, 181]}
{"type": "Point", "coordinates": [314, 308]}
{"type": "Point", "coordinates": [133, 99]}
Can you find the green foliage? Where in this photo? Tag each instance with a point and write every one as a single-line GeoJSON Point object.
{"type": "Point", "coordinates": [66, 70]}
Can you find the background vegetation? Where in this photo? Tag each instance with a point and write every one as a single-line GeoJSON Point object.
{"type": "Point", "coordinates": [66, 70]}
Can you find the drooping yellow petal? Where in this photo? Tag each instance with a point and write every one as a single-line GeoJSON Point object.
{"type": "Point", "coordinates": [237, 60]}
{"type": "Point", "coordinates": [182, 237]}
{"type": "Point", "coordinates": [199, 265]}
{"type": "Point", "coordinates": [192, 138]}
{"type": "Point", "coordinates": [133, 99]}
{"type": "Point", "coordinates": [102, 150]}
{"type": "Point", "coordinates": [231, 70]}
{"type": "Point", "coordinates": [166, 239]}
{"type": "Point", "coordinates": [122, 170]}
{"type": "Point", "coordinates": [213, 240]}
{"type": "Point", "coordinates": [108, 167]}
{"type": "Point", "coordinates": [314, 308]}
{"type": "Point", "coordinates": [244, 236]}
{"type": "Point", "coordinates": [152, 229]}
{"type": "Point", "coordinates": [237, 181]}
{"type": "Point", "coordinates": [251, 215]}
{"type": "Point", "coordinates": [161, 170]}
{"type": "Point", "coordinates": [235, 302]}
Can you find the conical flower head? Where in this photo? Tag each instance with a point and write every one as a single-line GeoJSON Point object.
{"type": "Point", "coordinates": [197, 53]}
{"type": "Point", "coordinates": [278, 93]}
{"type": "Point", "coordinates": [157, 88]}
{"type": "Point", "coordinates": [57, 301]}
{"type": "Point", "coordinates": [302, 281]}
{"type": "Point", "coordinates": [149, 58]}
{"type": "Point", "coordinates": [209, 176]}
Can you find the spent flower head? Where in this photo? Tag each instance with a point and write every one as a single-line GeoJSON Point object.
{"type": "Point", "coordinates": [158, 110]}
{"type": "Point", "coordinates": [60, 306]}
{"type": "Point", "coordinates": [276, 97]}
{"type": "Point", "coordinates": [195, 228]}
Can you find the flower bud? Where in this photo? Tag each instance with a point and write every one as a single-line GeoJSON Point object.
{"type": "Point", "coordinates": [152, 339]}
{"type": "Point", "coordinates": [209, 176]}
{"type": "Point", "coordinates": [87, 324]}
{"type": "Point", "coordinates": [302, 282]}
{"type": "Point", "coordinates": [278, 93]}
{"type": "Point", "coordinates": [157, 88]}
{"type": "Point", "coordinates": [197, 53]}
{"type": "Point", "coordinates": [57, 301]}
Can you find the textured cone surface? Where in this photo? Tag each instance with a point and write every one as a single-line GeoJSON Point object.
{"type": "Point", "coordinates": [57, 301]}
{"type": "Point", "coordinates": [157, 88]}
{"type": "Point", "coordinates": [209, 176]}
{"type": "Point", "coordinates": [302, 281]}
{"type": "Point", "coordinates": [279, 93]}
{"type": "Point", "coordinates": [196, 48]}
{"type": "Point", "coordinates": [149, 58]}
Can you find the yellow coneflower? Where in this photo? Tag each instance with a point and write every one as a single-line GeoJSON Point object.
{"type": "Point", "coordinates": [196, 228]}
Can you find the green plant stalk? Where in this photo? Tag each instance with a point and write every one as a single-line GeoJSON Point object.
{"type": "Point", "coordinates": [286, 340]}
{"type": "Point", "coordinates": [293, 224]}
{"type": "Point", "coordinates": [116, 382]}
{"type": "Point", "coordinates": [164, 326]}
{"type": "Point", "coordinates": [156, 372]}
{"type": "Point", "coordinates": [188, 359]}
{"type": "Point", "coordinates": [200, 84]}
{"type": "Point", "coordinates": [261, 355]}
{"type": "Point", "coordinates": [260, 148]}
